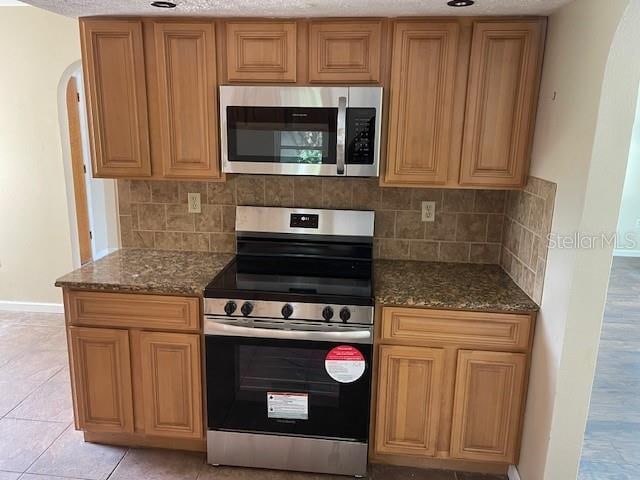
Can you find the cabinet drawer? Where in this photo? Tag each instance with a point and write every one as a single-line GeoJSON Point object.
{"type": "Point", "coordinates": [132, 310]}
{"type": "Point", "coordinates": [468, 329]}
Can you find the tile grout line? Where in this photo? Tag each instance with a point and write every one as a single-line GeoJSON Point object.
{"type": "Point", "coordinates": [126, 452]}
{"type": "Point", "coordinates": [29, 395]}
{"type": "Point", "coordinates": [48, 447]}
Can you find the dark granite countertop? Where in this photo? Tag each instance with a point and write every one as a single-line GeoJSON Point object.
{"type": "Point", "coordinates": [148, 271]}
{"type": "Point", "coordinates": [457, 286]}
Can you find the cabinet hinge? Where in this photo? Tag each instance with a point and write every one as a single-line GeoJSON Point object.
{"type": "Point", "coordinates": [78, 96]}
{"type": "Point", "coordinates": [84, 169]}
{"type": "Point", "coordinates": [90, 234]}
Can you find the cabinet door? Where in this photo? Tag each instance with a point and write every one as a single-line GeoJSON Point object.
{"type": "Point", "coordinates": [113, 63]}
{"type": "Point", "coordinates": [408, 401]}
{"type": "Point", "coordinates": [171, 384]}
{"type": "Point", "coordinates": [344, 51]}
{"type": "Point", "coordinates": [101, 379]}
{"type": "Point", "coordinates": [501, 103]}
{"type": "Point", "coordinates": [261, 51]}
{"type": "Point", "coordinates": [423, 76]}
{"type": "Point", "coordinates": [186, 69]}
{"type": "Point", "coordinates": [488, 405]}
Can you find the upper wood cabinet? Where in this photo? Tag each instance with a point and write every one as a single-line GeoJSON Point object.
{"type": "Point", "coordinates": [501, 102]}
{"type": "Point", "coordinates": [115, 86]}
{"type": "Point", "coordinates": [188, 118]}
{"type": "Point", "coordinates": [262, 51]}
{"type": "Point", "coordinates": [459, 107]}
{"type": "Point", "coordinates": [171, 384]}
{"type": "Point", "coordinates": [101, 379]}
{"type": "Point", "coordinates": [488, 399]}
{"type": "Point", "coordinates": [344, 51]}
{"type": "Point", "coordinates": [409, 399]}
{"type": "Point", "coordinates": [423, 72]}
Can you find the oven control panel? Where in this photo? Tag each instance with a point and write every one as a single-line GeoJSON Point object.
{"type": "Point", "coordinates": [351, 314]}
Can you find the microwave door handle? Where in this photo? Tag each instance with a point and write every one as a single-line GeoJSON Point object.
{"type": "Point", "coordinates": [341, 135]}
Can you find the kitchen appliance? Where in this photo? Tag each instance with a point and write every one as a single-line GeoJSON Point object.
{"type": "Point", "coordinates": [301, 130]}
{"type": "Point", "coordinates": [288, 342]}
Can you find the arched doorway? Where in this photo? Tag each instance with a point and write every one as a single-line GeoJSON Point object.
{"type": "Point", "coordinates": [79, 171]}
{"type": "Point", "coordinates": [92, 202]}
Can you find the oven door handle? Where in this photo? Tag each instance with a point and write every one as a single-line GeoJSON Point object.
{"type": "Point", "coordinates": [341, 135]}
{"type": "Point", "coordinates": [355, 335]}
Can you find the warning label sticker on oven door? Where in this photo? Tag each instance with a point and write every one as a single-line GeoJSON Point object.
{"type": "Point", "coordinates": [288, 405]}
{"type": "Point", "coordinates": [345, 364]}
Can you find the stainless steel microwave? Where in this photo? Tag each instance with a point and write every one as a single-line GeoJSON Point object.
{"type": "Point", "coordinates": [327, 131]}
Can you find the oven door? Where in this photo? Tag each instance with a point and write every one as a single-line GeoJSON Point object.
{"type": "Point", "coordinates": [288, 386]}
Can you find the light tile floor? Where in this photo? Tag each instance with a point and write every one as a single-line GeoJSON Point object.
{"type": "Point", "coordinates": [38, 441]}
{"type": "Point", "coordinates": [611, 447]}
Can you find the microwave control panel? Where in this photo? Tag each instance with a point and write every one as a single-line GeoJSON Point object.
{"type": "Point", "coordinates": [361, 125]}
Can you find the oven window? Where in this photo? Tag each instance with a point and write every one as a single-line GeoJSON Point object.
{"type": "Point", "coordinates": [282, 135]}
{"type": "Point", "coordinates": [243, 372]}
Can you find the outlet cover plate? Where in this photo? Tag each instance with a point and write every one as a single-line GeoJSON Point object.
{"type": "Point", "coordinates": [194, 202]}
{"type": "Point", "coordinates": [428, 211]}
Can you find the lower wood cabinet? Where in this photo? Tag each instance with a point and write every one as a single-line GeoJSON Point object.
{"type": "Point", "coordinates": [409, 399]}
{"type": "Point", "coordinates": [171, 384]}
{"type": "Point", "coordinates": [444, 391]}
{"type": "Point", "coordinates": [101, 372]}
{"type": "Point", "coordinates": [488, 400]}
{"type": "Point", "coordinates": [142, 384]}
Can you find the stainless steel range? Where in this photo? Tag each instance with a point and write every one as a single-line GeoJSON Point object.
{"type": "Point", "coordinates": [289, 332]}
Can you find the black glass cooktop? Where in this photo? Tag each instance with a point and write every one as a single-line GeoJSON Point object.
{"type": "Point", "coordinates": [292, 279]}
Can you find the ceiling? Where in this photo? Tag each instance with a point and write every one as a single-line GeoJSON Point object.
{"type": "Point", "coordinates": [297, 8]}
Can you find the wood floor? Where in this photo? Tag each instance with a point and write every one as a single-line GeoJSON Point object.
{"type": "Point", "coordinates": [612, 440]}
{"type": "Point", "coordinates": [38, 442]}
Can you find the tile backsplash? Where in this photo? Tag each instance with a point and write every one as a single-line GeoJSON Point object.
{"type": "Point", "coordinates": [467, 228]}
{"type": "Point", "coordinates": [527, 226]}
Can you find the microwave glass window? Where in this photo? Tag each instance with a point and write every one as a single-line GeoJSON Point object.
{"type": "Point", "coordinates": [282, 135]}
{"type": "Point", "coordinates": [303, 147]}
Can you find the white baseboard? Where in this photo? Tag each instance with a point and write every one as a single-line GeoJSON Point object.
{"type": "Point", "coordinates": [624, 252]}
{"type": "Point", "coordinates": [512, 473]}
{"type": "Point", "coordinates": [31, 307]}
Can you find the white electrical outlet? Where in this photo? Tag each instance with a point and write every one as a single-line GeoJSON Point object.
{"type": "Point", "coordinates": [194, 202]}
{"type": "Point", "coordinates": [428, 211]}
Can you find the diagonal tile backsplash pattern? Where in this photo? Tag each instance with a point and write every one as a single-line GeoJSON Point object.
{"type": "Point", "coordinates": [467, 228]}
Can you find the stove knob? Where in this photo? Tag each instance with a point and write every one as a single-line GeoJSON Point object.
{"type": "Point", "coordinates": [230, 307]}
{"type": "Point", "coordinates": [345, 314]}
{"type": "Point", "coordinates": [246, 309]}
{"type": "Point", "coordinates": [287, 310]}
{"type": "Point", "coordinates": [327, 313]}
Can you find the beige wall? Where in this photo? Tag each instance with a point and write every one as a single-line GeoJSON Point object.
{"type": "Point", "coordinates": [581, 144]}
{"type": "Point", "coordinates": [37, 47]}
